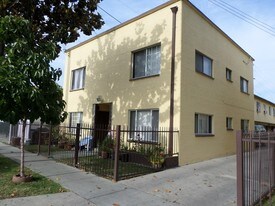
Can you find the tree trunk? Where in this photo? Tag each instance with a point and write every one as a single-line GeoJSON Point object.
{"type": "Point", "coordinates": [22, 174]}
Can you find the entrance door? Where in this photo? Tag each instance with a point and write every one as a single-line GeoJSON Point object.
{"type": "Point", "coordinates": [102, 121]}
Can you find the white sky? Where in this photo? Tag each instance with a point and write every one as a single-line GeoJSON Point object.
{"type": "Point", "coordinates": [259, 44]}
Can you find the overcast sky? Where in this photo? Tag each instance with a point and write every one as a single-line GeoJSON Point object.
{"type": "Point", "coordinates": [259, 44]}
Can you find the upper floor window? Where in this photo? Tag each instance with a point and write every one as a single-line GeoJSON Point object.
{"type": "Point", "coordinates": [269, 111]}
{"type": "Point", "coordinates": [78, 78]}
{"type": "Point", "coordinates": [203, 64]}
{"type": "Point", "coordinates": [274, 112]}
{"type": "Point", "coordinates": [144, 124]}
{"type": "Point", "coordinates": [146, 62]}
{"type": "Point", "coordinates": [265, 111]}
{"type": "Point", "coordinates": [258, 107]}
{"type": "Point", "coordinates": [228, 74]}
{"type": "Point", "coordinates": [244, 85]}
{"type": "Point", "coordinates": [203, 124]}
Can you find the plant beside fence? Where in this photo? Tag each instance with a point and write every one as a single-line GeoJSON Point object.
{"type": "Point", "coordinates": [112, 152]}
{"type": "Point", "coordinates": [255, 167]}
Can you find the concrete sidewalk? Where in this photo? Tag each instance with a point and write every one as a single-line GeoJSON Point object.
{"type": "Point", "coordinates": [209, 183]}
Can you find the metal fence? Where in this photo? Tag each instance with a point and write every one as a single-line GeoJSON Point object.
{"type": "Point", "coordinates": [113, 152]}
{"type": "Point", "coordinates": [255, 168]}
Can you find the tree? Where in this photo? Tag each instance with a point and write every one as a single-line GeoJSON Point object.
{"type": "Point", "coordinates": [58, 21]}
{"type": "Point", "coordinates": [27, 81]}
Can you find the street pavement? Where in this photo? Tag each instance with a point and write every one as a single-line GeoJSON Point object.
{"type": "Point", "coordinates": [208, 183]}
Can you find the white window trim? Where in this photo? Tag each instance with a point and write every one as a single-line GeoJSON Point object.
{"type": "Point", "coordinates": [137, 136]}
{"type": "Point", "coordinates": [244, 85]}
{"type": "Point", "coordinates": [228, 78]}
{"type": "Point", "coordinates": [229, 126]}
{"type": "Point", "coordinates": [73, 125]}
{"type": "Point", "coordinates": [146, 61]}
{"type": "Point", "coordinates": [258, 107]}
{"type": "Point", "coordinates": [78, 81]}
{"type": "Point", "coordinates": [210, 133]}
{"type": "Point", "coordinates": [202, 71]}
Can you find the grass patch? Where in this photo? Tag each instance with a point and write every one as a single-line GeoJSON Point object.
{"type": "Point", "coordinates": [39, 186]}
{"type": "Point", "coordinates": [105, 167]}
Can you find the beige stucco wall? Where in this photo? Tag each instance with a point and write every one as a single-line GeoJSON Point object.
{"type": "Point", "coordinates": [108, 61]}
{"type": "Point", "coordinates": [262, 117]}
{"type": "Point", "coordinates": [213, 96]}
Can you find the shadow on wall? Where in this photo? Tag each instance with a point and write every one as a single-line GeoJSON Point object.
{"type": "Point", "coordinates": [108, 73]}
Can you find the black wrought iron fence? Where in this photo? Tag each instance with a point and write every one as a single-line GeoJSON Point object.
{"type": "Point", "coordinates": [255, 167]}
{"type": "Point", "coordinates": [114, 152]}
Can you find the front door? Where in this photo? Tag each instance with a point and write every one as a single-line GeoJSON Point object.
{"type": "Point", "coordinates": [102, 121]}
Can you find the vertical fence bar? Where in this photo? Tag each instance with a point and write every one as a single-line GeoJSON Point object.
{"type": "Point", "coordinates": [39, 139]}
{"type": "Point", "coordinates": [50, 141]}
{"type": "Point", "coordinates": [240, 196]}
{"type": "Point", "coordinates": [250, 169]}
{"type": "Point", "coordinates": [269, 170]}
{"type": "Point", "coordinates": [117, 146]}
{"type": "Point", "coordinates": [260, 169]}
{"type": "Point", "coordinates": [76, 145]}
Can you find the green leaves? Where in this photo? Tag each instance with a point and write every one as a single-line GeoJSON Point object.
{"type": "Point", "coordinates": [27, 81]}
{"type": "Point", "coordinates": [53, 20]}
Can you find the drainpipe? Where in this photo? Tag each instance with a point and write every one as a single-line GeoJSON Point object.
{"type": "Point", "coordinates": [171, 125]}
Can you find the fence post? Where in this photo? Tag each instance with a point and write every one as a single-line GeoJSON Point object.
{"type": "Point", "coordinates": [39, 139]}
{"type": "Point", "coordinates": [117, 146]}
{"type": "Point", "coordinates": [240, 192]}
{"type": "Point", "coordinates": [76, 145]}
{"type": "Point", "coordinates": [50, 141]}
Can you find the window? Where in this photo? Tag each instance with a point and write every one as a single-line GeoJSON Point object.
{"type": "Point", "coordinates": [146, 62]}
{"type": "Point", "coordinates": [244, 85]}
{"type": "Point", "coordinates": [228, 75]}
{"type": "Point", "coordinates": [229, 123]}
{"type": "Point", "coordinates": [258, 107]}
{"type": "Point", "coordinates": [274, 112]}
{"type": "Point", "coordinates": [143, 123]}
{"type": "Point", "coordinates": [244, 125]}
{"type": "Point", "coordinates": [269, 111]}
{"type": "Point", "coordinates": [78, 78]}
{"type": "Point", "coordinates": [203, 64]}
{"type": "Point", "coordinates": [265, 111]}
{"type": "Point", "coordinates": [203, 124]}
{"type": "Point", "coordinates": [75, 117]}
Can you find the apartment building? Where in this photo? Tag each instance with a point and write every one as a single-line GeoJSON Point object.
{"type": "Point", "coordinates": [264, 113]}
{"type": "Point", "coordinates": [172, 56]}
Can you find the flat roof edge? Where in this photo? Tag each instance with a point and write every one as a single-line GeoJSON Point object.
{"type": "Point", "coordinates": [217, 27]}
{"type": "Point", "coordinates": [124, 23]}
{"type": "Point", "coordinates": [263, 99]}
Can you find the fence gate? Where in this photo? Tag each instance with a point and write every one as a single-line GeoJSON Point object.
{"type": "Point", "coordinates": [255, 167]}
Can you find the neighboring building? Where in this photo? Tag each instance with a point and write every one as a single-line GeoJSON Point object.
{"type": "Point", "coordinates": [264, 113]}
{"type": "Point", "coordinates": [123, 77]}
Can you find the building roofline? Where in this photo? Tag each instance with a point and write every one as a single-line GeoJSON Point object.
{"type": "Point", "coordinates": [124, 23]}
{"type": "Point", "coordinates": [154, 10]}
{"type": "Point", "coordinates": [217, 27]}
{"type": "Point", "coordinates": [265, 100]}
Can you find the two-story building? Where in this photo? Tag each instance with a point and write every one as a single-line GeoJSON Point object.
{"type": "Point", "coordinates": [264, 114]}
{"type": "Point", "coordinates": [171, 56]}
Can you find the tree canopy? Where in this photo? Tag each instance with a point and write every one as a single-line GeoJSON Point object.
{"type": "Point", "coordinates": [27, 81]}
{"type": "Point", "coordinates": [59, 21]}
